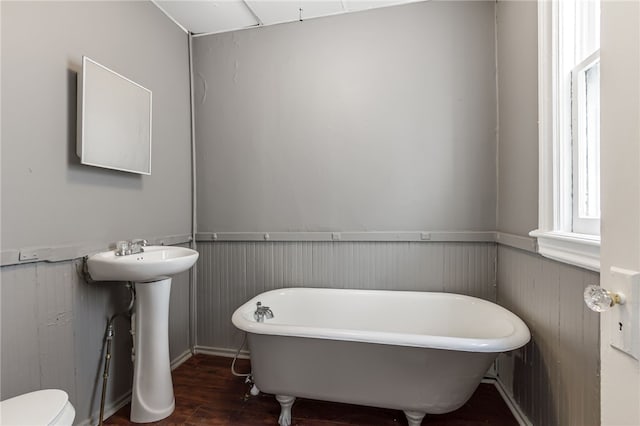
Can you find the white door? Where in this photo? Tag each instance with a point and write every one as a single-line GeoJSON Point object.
{"type": "Point", "coordinates": [620, 181]}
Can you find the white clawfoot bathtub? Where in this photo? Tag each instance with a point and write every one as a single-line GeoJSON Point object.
{"type": "Point", "coordinates": [417, 352]}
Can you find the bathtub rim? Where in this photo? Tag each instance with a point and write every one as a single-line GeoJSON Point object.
{"type": "Point", "coordinates": [519, 337]}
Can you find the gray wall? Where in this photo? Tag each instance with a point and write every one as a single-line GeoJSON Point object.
{"type": "Point", "coordinates": [53, 326]}
{"type": "Point", "coordinates": [517, 39]}
{"type": "Point", "coordinates": [52, 322]}
{"type": "Point", "coordinates": [231, 273]}
{"type": "Point", "coordinates": [48, 198]}
{"type": "Point", "coordinates": [381, 120]}
{"type": "Point", "coordinates": [555, 378]}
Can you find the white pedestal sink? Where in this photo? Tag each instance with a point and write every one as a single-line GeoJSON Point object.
{"type": "Point", "coordinates": [152, 397]}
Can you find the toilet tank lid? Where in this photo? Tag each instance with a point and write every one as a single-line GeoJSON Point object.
{"type": "Point", "coordinates": [34, 408]}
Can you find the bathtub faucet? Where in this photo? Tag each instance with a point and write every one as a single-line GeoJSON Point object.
{"type": "Point", "coordinates": [262, 312]}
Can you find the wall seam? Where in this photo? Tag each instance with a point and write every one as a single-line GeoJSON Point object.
{"type": "Point", "coordinates": [193, 291]}
{"type": "Point", "coordinates": [495, 47]}
{"type": "Point", "coordinates": [155, 3]}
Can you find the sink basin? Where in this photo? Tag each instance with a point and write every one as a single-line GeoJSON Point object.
{"type": "Point", "coordinates": [154, 263]}
{"type": "Point", "coordinates": [150, 271]}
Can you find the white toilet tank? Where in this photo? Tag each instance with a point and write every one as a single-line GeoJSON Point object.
{"type": "Point", "coordinates": [43, 407]}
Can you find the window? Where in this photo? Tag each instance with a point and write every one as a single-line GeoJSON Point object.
{"type": "Point", "coordinates": [569, 114]}
{"type": "Point", "coordinates": [586, 146]}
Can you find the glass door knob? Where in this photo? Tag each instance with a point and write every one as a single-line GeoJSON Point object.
{"type": "Point", "coordinates": [600, 299]}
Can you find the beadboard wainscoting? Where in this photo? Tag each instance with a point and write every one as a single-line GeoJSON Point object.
{"type": "Point", "coordinates": [53, 329]}
{"type": "Point", "coordinates": [230, 273]}
{"type": "Point", "coordinates": [555, 379]}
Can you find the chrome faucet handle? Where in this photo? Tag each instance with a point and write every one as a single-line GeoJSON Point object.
{"type": "Point", "coordinates": [258, 315]}
{"type": "Point", "coordinates": [140, 242]}
{"type": "Point", "coordinates": [123, 248]}
{"type": "Point", "coordinates": [262, 312]}
{"type": "Point", "coordinates": [268, 313]}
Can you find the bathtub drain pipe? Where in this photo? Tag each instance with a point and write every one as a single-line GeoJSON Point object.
{"type": "Point", "coordinates": [235, 358]}
{"type": "Point", "coordinates": [109, 339]}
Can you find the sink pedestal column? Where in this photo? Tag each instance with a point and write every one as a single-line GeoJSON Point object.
{"type": "Point", "coordinates": [152, 398]}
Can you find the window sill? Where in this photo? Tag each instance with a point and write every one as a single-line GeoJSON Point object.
{"type": "Point", "coordinates": [575, 249]}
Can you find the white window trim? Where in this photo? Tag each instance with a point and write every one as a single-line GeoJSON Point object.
{"type": "Point", "coordinates": [581, 224]}
{"type": "Point", "coordinates": [575, 249]}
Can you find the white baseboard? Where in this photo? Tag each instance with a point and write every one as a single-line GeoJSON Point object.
{"type": "Point", "coordinates": [225, 352]}
{"type": "Point", "coordinates": [181, 359]}
{"type": "Point", "coordinates": [109, 410]}
{"type": "Point", "coordinates": [519, 415]}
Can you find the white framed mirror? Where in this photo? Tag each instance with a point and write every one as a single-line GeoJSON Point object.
{"type": "Point", "coordinates": [114, 120]}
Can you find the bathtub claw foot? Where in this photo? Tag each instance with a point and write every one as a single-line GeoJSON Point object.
{"type": "Point", "coordinates": [286, 402]}
{"type": "Point", "coordinates": [414, 418]}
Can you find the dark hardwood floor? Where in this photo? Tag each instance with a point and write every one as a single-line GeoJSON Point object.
{"type": "Point", "coordinates": [208, 394]}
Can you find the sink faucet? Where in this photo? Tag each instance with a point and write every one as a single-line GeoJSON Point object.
{"type": "Point", "coordinates": [137, 245]}
{"type": "Point", "coordinates": [262, 312]}
{"type": "Point", "coordinates": [125, 248]}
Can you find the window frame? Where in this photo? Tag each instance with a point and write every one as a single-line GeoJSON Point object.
{"type": "Point", "coordinates": [581, 223]}
{"type": "Point", "coordinates": [554, 241]}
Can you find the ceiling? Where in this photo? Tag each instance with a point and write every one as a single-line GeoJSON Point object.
{"type": "Point", "coordinates": [209, 16]}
